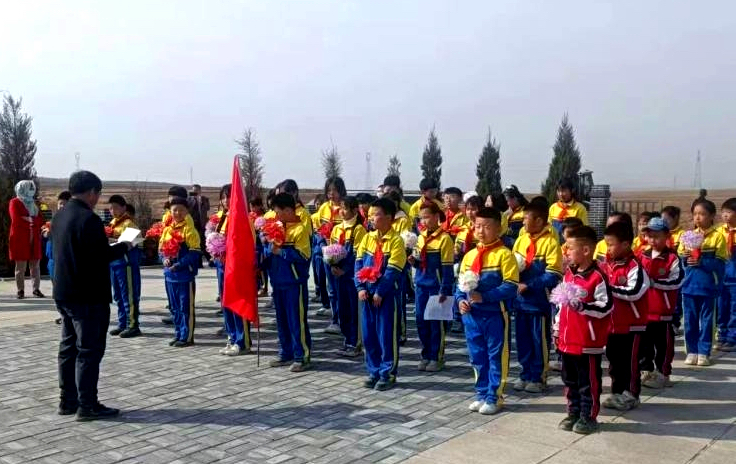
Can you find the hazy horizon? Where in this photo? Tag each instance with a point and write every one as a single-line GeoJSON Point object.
{"type": "Point", "coordinates": [145, 90]}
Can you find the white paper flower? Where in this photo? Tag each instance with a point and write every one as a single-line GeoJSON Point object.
{"type": "Point", "coordinates": [468, 281]}
{"type": "Point", "coordinates": [409, 238]}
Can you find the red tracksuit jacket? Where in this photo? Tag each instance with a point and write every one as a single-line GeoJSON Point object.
{"type": "Point", "coordinates": [665, 276]}
{"type": "Point", "coordinates": [585, 330]}
{"type": "Point", "coordinates": [629, 284]}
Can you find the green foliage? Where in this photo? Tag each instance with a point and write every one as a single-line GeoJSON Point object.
{"type": "Point", "coordinates": [566, 160]}
{"type": "Point", "coordinates": [251, 163]}
{"type": "Point", "coordinates": [331, 163]}
{"type": "Point", "coordinates": [140, 198]}
{"type": "Point", "coordinates": [432, 159]}
{"type": "Point", "coordinates": [394, 166]}
{"type": "Point", "coordinates": [488, 169]}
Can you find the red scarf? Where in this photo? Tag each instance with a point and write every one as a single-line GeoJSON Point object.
{"type": "Point", "coordinates": [563, 213]}
{"type": "Point", "coordinates": [531, 250]}
{"type": "Point", "coordinates": [423, 253]}
{"type": "Point", "coordinates": [449, 216]}
{"type": "Point", "coordinates": [483, 250]}
{"type": "Point", "coordinates": [469, 239]}
{"type": "Point", "coordinates": [378, 255]}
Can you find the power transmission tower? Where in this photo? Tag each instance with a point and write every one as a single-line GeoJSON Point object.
{"type": "Point", "coordinates": [698, 180]}
{"type": "Point", "coordinates": [368, 175]}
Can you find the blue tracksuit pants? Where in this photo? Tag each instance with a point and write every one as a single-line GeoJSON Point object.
{"type": "Point", "coordinates": [331, 286]}
{"type": "Point", "coordinates": [727, 315]}
{"type": "Point", "coordinates": [532, 346]}
{"type": "Point", "coordinates": [126, 290]}
{"type": "Point", "coordinates": [181, 301]}
{"type": "Point", "coordinates": [381, 337]}
{"type": "Point", "coordinates": [236, 327]}
{"type": "Point", "coordinates": [699, 323]}
{"type": "Point", "coordinates": [346, 300]}
{"type": "Point", "coordinates": [487, 335]}
{"type": "Point", "coordinates": [295, 341]}
{"type": "Point", "coordinates": [320, 279]}
{"type": "Point", "coordinates": [431, 333]}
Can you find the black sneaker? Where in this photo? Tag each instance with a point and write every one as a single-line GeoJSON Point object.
{"type": "Point", "coordinates": [167, 320]}
{"type": "Point", "coordinates": [117, 331]}
{"type": "Point", "coordinates": [385, 384]}
{"type": "Point", "coordinates": [218, 313]}
{"type": "Point", "coordinates": [58, 321]}
{"type": "Point", "coordinates": [38, 294]}
{"type": "Point", "coordinates": [217, 299]}
{"type": "Point", "coordinates": [99, 411]}
{"type": "Point", "coordinates": [585, 426]}
{"type": "Point", "coordinates": [21, 294]}
{"type": "Point", "coordinates": [568, 423]}
{"type": "Point", "coordinates": [370, 382]}
{"type": "Point", "coordinates": [128, 333]}
{"type": "Point", "coordinates": [173, 341]}
{"type": "Point", "coordinates": [182, 344]}
{"type": "Point", "coordinates": [67, 409]}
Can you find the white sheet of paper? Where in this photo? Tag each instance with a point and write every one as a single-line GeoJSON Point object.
{"type": "Point", "coordinates": [436, 311]}
{"type": "Point", "coordinates": [131, 235]}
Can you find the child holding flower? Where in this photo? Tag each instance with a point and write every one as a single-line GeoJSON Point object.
{"type": "Point", "coordinates": [339, 257]}
{"type": "Point", "coordinates": [379, 265]}
{"type": "Point", "coordinates": [488, 283]}
{"type": "Point", "coordinates": [434, 275]}
{"type": "Point", "coordinates": [703, 251]}
{"type": "Point", "coordinates": [179, 248]}
{"type": "Point", "coordinates": [328, 216]}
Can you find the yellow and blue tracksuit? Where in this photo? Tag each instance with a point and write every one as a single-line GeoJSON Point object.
{"type": "Point", "coordinates": [289, 273]}
{"type": "Point", "coordinates": [403, 224]}
{"type": "Point", "coordinates": [515, 223]}
{"type": "Point", "coordinates": [416, 207]}
{"type": "Point", "coordinates": [532, 306]}
{"type": "Point", "coordinates": [487, 323]}
{"type": "Point", "coordinates": [344, 295]}
{"type": "Point", "coordinates": [434, 276]}
{"type": "Point", "coordinates": [703, 282]}
{"type": "Point", "coordinates": [167, 220]}
{"type": "Point", "coordinates": [560, 211]}
{"type": "Point", "coordinates": [601, 251]}
{"type": "Point", "coordinates": [464, 242]}
{"type": "Point", "coordinates": [318, 267]}
{"type": "Point", "coordinates": [727, 301]}
{"type": "Point", "coordinates": [180, 278]}
{"type": "Point", "coordinates": [455, 222]}
{"type": "Point", "coordinates": [125, 274]}
{"type": "Point", "coordinates": [237, 327]}
{"type": "Point", "coordinates": [380, 324]}
{"type": "Point", "coordinates": [674, 243]}
{"type": "Point", "coordinates": [328, 213]}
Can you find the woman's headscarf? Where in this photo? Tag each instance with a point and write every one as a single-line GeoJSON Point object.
{"type": "Point", "coordinates": [25, 190]}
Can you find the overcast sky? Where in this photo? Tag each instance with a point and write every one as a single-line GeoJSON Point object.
{"type": "Point", "coordinates": [146, 89]}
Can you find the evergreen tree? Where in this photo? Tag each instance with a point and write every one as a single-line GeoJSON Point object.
{"type": "Point", "coordinates": [331, 163]}
{"type": "Point", "coordinates": [251, 163]}
{"type": "Point", "coordinates": [394, 166]}
{"type": "Point", "coordinates": [432, 159]}
{"type": "Point", "coordinates": [565, 161]}
{"type": "Point", "coordinates": [488, 169]}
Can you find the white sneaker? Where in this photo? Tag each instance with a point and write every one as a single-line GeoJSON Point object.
{"type": "Point", "coordinates": [520, 385]}
{"type": "Point", "coordinates": [611, 401]}
{"type": "Point", "coordinates": [226, 348]}
{"type": "Point", "coordinates": [422, 366]}
{"type": "Point", "coordinates": [434, 366]}
{"type": "Point", "coordinates": [555, 366]}
{"type": "Point", "coordinates": [667, 381]}
{"type": "Point", "coordinates": [233, 351]}
{"type": "Point", "coordinates": [645, 375]}
{"type": "Point", "coordinates": [691, 359]}
{"type": "Point", "coordinates": [629, 400]}
{"type": "Point", "coordinates": [703, 360]}
{"type": "Point", "coordinates": [653, 380]}
{"type": "Point", "coordinates": [333, 329]}
{"type": "Point", "coordinates": [323, 312]}
{"type": "Point", "coordinates": [534, 387]}
{"type": "Point", "coordinates": [488, 409]}
{"type": "Point", "coordinates": [476, 405]}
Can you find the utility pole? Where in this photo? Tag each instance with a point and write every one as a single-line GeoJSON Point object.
{"type": "Point", "coordinates": [76, 160]}
{"type": "Point", "coordinates": [368, 176]}
{"type": "Point", "coordinates": [698, 181]}
{"type": "Point", "coordinates": [191, 176]}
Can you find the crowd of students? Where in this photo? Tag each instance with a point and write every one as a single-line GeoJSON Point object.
{"type": "Point", "coordinates": [622, 296]}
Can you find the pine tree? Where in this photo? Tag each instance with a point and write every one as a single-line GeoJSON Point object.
{"type": "Point", "coordinates": [565, 161]}
{"type": "Point", "coordinates": [432, 159]}
{"type": "Point", "coordinates": [17, 157]}
{"type": "Point", "coordinates": [331, 163]}
{"type": "Point", "coordinates": [394, 166]}
{"type": "Point", "coordinates": [251, 163]}
{"type": "Point", "coordinates": [488, 169]}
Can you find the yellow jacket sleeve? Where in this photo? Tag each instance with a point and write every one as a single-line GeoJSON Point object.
{"type": "Point", "coordinates": [397, 259]}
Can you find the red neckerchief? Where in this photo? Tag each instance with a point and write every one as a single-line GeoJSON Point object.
{"type": "Point", "coordinates": [378, 254]}
{"type": "Point", "coordinates": [469, 239]}
{"type": "Point", "coordinates": [449, 216]}
{"type": "Point", "coordinates": [563, 213]}
{"type": "Point", "coordinates": [428, 239]}
{"type": "Point", "coordinates": [483, 250]}
{"type": "Point", "coordinates": [531, 250]}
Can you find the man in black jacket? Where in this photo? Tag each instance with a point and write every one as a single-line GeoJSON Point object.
{"type": "Point", "coordinates": [82, 293]}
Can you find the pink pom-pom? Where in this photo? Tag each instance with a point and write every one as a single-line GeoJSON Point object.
{"type": "Point", "coordinates": [333, 254]}
{"type": "Point", "coordinates": [259, 222]}
{"type": "Point", "coordinates": [216, 244]}
{"type": "Point", "coordinates": [567, 294]}
{"type": "Point", "coordinates": [692, 240]}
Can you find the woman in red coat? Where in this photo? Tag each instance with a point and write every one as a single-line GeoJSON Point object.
{"type": "Point", "coordinates": [25, 236]}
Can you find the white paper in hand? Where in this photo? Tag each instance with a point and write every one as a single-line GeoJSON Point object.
{"type": "Point", "coordinates": [436, 311]}
{"type": "Point", "coordinates": [131, 235]}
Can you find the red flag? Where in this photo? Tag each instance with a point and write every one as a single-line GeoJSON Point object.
{"type": "Point", "coordinates": [240, 294]}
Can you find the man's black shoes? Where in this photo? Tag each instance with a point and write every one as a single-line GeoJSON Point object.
{"type": "Point", "coordinates": [99, 411]}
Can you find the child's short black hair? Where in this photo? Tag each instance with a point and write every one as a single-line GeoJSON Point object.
{"type": "Point", "coordinates": [130, 209]}
{"type": "Point", "coordinates": [65, 196]}
{"type": "Point", "coordinates": [339, 185]}
{"type": "Point", "coordinates": [584, 234]}
{"type": "Point", "coordinates": [729, 204]}
{"type": "Point", "coordinates": [386, 205]}
{"type": "Point", "coordinates": [179, 201]}
{"type": "Point", "coordinates": [117, 200]}
{"type": "Point", "coordinates": [672, 211]}
{"type": "Point", "coordinates": [475, 201]}
{"type": "Point", "coordinates": [621, 231]}
{"type": "Point", "coordinates": [392, 181]}
{"type": "Point", "coordinates": [427, 184]}
{"type": "Point", "coordinates": [365, 198]}
{"type": "Point", "coordinates": [566, 183]}
{"type": "Point", "coordinates": [434, 209]}
{"type": "Point", "coordinates": [227, 188]}
{"type": "Point", "coordinates": [706, 204]}
{"type": "Point", "coordinates": [351, 203]}
{"type": "Point", "coordinates": [500, 202]}
{"type": "Point", "coordinates": [622, 217]}
{"type": "Point", "coordinates": [542, 201]}
{"type": "Point", "coordinates": [489, 212]}
{"type": "Point", "coordinates": [570, 223]}
{"type": "Point", "coordinates": [538, 210]}
{"type": "Point", "coordinates": [453, 191]}
{"type": "Point", "coordinates": [284, 200]}
{"type": "Point", "coordinates": [178, 191]}
{"type": "Point", "coordinates": [83, 181]}
{"type": "Point", "coordinates": [648, 215]}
